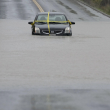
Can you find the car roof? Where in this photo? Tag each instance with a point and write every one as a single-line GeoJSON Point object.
{"type": "Point", "coordinates": [50, 13]}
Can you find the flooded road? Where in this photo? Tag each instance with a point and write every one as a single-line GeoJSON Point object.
{"type": "Point", "coordinates": [54, 72]}
{"type": "Point", "coordinates": [26, 59]}
{"type": "Point", "coordinates": [39, 72]}
{"type": "Point", "coordinates": [60, 100]}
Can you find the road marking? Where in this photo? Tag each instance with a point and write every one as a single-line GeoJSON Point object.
{"type": "Point", "coordinates": [40, 8]}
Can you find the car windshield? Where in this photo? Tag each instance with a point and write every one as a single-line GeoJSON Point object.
{"type": "Point", "coordinates": [53, 18]}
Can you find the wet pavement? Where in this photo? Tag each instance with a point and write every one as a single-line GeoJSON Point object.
{"type": "Point", "coordinates": [17, 9]}
{"type": "Point", "coordinates": [26, 10]}
{"type": "Point", "coordinates": [53, 72]}
{"type": "Point", "coordinates": [61, 100]}
{"type": "Point", "coordinates": [74, 10]}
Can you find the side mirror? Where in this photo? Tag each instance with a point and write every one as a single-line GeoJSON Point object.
{"type": "Point", "coordinates": [30, 22]}
{"type": "Point", "coordinates": [72, 22]}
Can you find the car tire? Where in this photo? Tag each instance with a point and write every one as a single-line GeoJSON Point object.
{"type": "Point", "coordinates": [33, 33]}
{"type": "Point", "coordinates": [69, 34]}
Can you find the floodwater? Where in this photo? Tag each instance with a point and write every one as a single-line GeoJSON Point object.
{"type": "Point", "coordinates": [26, 59]}
{"type": "Point", "coordinates": [54, 72]}
{"type": "Point", "coordinates": [52, 100]}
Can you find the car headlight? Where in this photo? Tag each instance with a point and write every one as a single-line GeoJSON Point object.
{"type": "Point", "coordinates": [67, 30]}
{"type": "Point", "coordinates": [37, 30]}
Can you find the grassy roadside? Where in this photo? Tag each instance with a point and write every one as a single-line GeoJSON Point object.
{"type": "Point", "coordinates": [102, 5]}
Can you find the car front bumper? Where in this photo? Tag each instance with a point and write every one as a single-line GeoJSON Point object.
{"type": "Point", "coordinates": [60, 32]}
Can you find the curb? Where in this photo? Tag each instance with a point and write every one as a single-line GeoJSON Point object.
{"type": "Point", "coordinates": [94, 8]}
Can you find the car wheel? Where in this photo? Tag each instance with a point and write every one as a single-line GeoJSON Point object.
{"type": "Point", "coordinates": [33, 32]}
{"type": "Point", "coordinates": [69, 34]}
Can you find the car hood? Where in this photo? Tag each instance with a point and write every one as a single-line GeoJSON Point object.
{"type": "Point", "coordinates": [52, 26]}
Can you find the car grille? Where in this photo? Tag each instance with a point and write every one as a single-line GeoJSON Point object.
{"type": "Point", "coordinates": [52, 31]}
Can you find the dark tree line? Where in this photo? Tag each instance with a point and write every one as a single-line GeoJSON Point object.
{"type": "Point", "coordinates": [103, 5]}
{"type": "Point", "coordinates": [105, 2]}
{"type": "Point", "coordinates": [99, 2]}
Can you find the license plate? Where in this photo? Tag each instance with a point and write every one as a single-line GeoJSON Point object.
{"type": "Point", "coordinates": [52, 32]}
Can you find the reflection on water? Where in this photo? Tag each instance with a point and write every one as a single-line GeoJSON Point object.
{"type": "Point", "coordinates": [52, 37]}
{"type": "Point", "coordinates": [65, 99]}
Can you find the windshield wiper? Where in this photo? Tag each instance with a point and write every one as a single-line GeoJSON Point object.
{"type": "Point", "coordinates": [51, 22]}
{"type": "Point", "coordinates": [56, 22]}
{"type": "Point", "coordinates": [41, 22]}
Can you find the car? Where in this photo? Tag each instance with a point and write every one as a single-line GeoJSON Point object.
{"type": "Point", "coordinates": [51, 23]}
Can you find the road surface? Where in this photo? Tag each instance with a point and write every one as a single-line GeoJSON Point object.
{"type": "Point", "coordinates": [26, 10]}
{"type": "Point", "coordinates": [53, 72]}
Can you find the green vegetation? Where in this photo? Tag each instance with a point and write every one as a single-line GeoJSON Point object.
{"type": "Point", "coordinates": [103, 5]}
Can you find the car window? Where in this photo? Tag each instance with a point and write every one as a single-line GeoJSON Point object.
{"type": "Point", "coordinates": [52, 17]}
{"type": "Point", "coordinates": [57, 18]}
{"type": "Point", "coordinates": [42, 17]}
